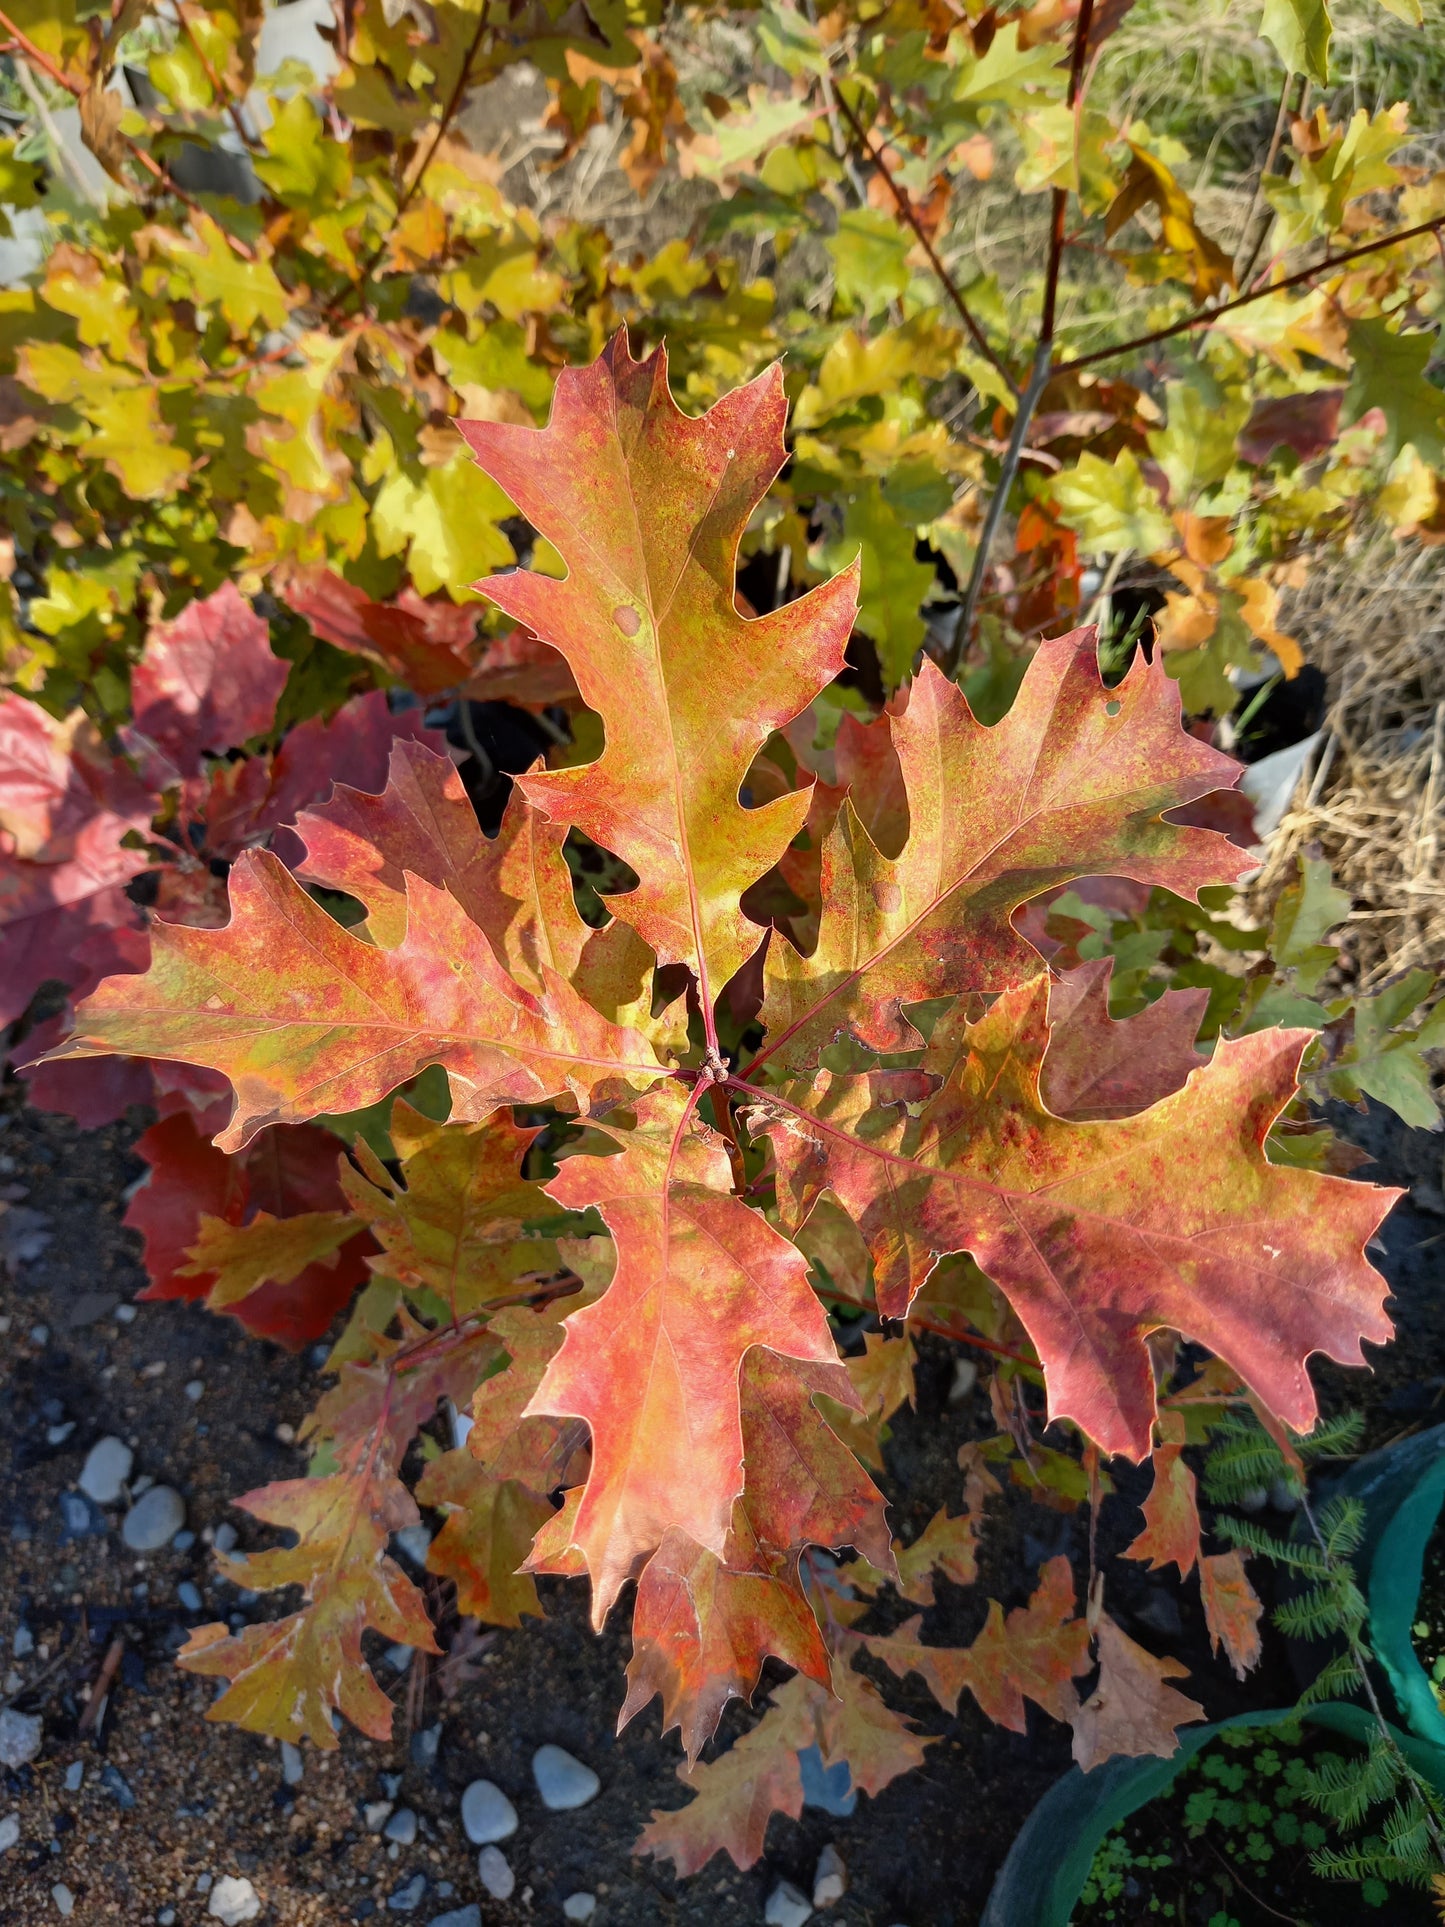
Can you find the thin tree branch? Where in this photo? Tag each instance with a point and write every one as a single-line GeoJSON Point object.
{"type": "Point", "coordinates": [905, 207]}
{"type": "Point", "coordinates": [835, 128]}
{"type": "Point", "coordinates": [1255, 225]}
{"type": "Point", "coordinates": [1206, 318]}
{"type": "Point", "coordinates": [1061, 194]}
{"type": "Point", "coordinates": [218, 88]}
{"type": "Point", "coordinates": [1027, 402]}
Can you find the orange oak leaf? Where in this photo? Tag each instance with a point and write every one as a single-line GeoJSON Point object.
{"type": "Point", "coordinates": [1097, 1066]}
{"type": "Point", "coordinates": [487, 1530]}
{"type": "Point", "coordinates": [737, 1795]}
{"type": "Point", "coordinates": [653, 1365]}
{"type": "Point", "coordinates": [1034, 1653]}
{"type": "Point", "coordinates": [1171, 1511]}
{"type": "Point", "coordinates": [1074, 781]}
{"type": "Point", "coordinates": [286, 1675]}
{"type": "Point", "coordinates": [1099, 1233]}
{"type": "Point", "coordinates": [646, 507]}
{"type": "Point", "coordinates": [1132, 1710]}
{"type": "Point", "coordinates": [305, 1017]}
{"type": "Point", "coordinates": [1232, 1610]}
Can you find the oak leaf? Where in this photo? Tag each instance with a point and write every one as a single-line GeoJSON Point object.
{"type": "Point", "coordinates": [1171, 1511]}
{"type": "Point", "coordinates": [646, 507]}
{"type": "Point", "coordinates": [1232, 1610]}
{"type": "Point", "coordinates": [1091, 1230]}
{"type": "Point", "coordinates": [1074, 781]}
{"type": "Point", "coordinates": [1097, 1066]}
{"type": "Point", "coordinates": [1132, 1710]}
{"type": "Point", "coordinates": [206, 681]}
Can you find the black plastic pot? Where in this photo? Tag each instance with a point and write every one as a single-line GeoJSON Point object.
{"type": "Point", "coordinates": [1040, 1883]}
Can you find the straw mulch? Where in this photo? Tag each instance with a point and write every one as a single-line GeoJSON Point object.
{"type": "Point", "coordinates": [1372, 796]}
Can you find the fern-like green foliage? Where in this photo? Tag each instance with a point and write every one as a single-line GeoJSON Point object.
{"type": "Point", "coordinates": [1329, 1607]}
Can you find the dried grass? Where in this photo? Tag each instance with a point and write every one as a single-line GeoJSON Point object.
{"type": "Point", "coordinates": [1373, 618]}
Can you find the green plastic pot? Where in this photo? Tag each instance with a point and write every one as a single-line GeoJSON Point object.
{"type": "Point", "coordinates": [1040, 1882]}
{"type": "Point", "coordinates": [1402, 1488]}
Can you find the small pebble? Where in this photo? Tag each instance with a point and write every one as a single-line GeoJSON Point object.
{"type": "Point", "coordinates": [23, 1643]}
{"type": "Point", "coordinates": [401, 1827]}
{"type": "Point", "coordinates": [183, 1541]}
{"type": "Point", "coordinates": [126, 1314]}
{"type": "Point", "coordinates": [189, 1596]}
{"type": "Point", "coordinates": [409, 1896]}
{"type": "Point", "coordinates": [1255, 1500]}
{"type": "Point", "coordinates": [166, 1917]}
{"type": "Point", "coordinates": [398, 1658]}
{"type": "Point", "coordinates": [64, 1899]}
{"type": "Point", "coordinates": [293, 1767]}
{"type": "Point", "coordinates": [830, 1878]}
{"type": "Point", "coordinates": [195, 1390]}
{"type": "Point", "coordinates": [425, 1746]}
{"type": "Point", "coordinates": [75, 1776]}
{"type": "Point", "coordinates": [579, 1906]}
{"type": "Point", "coordinates": [468, 1916]}
{"type": "Point", "coordinates": [107, 1467]}
{"type": "Point", "coordinates": [117, 1786]}
{"type": "Point", "coordinates": [786, 1906]}
{"type": "Point", "coordinates": [233, 1899]}
{"type": "Point", "coordinates": [224, 1538]}
{"type": "Point", "coordinates": [9, 1831]}
{"type": "Point", "coordinates": [487, 1814]}
{"type": "Point", "coordinates": [286, 1433]}
{"type": "Point", "coordinates": [965, 1377]}
{"type": "Point", "coordinates": [390, 1784]}
{"type": "Point", "coordinates": [142, 1484]}
{"type": "Point", "coordinates": [58, 1434]}
{"type": "Point", "coordinates": [562, 1781]}
{"type": "Point", "coordinates": [40, 1337]}
{"type": "Point", "coordinates": [204, 1882]}
{"type": "Point", "coordinates": [1284, 1495]}
{"type": "Point", "coordinates": [154, 1520]}
{"type": "Point", "coordinates": [495, 1874]}
{"type": "Point", "coordinates": [20, 1736]}
{"type": "Point", "coordinates": [376, 1814]}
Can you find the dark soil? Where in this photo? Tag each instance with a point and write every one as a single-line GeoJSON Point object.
{"type": "Point", "coordinates": [168, 1798]}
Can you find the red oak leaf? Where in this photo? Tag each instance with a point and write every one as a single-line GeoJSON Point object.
{"type": "Point", "coordinates": [1232, 1610]}
{"type": "Point", "coordinates": [1074, 781]}
{"type": "Point", "coordinates": [1131, 1711]}
{"type": "Point", "coordinates": [1098, 1067]}
{"type": "Point", "coordinates": [1098, 1233]}
{"type": "Point", "coordinates": [206, 682]}
{"type": "Point", "coordinates": [428, 646]}
{"type": "Point", "coordinates": [1171, 1512]}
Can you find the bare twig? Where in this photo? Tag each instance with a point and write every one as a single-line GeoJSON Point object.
{"type": "Point", "coordinates": [100, 1691]}
{"type": "Point", "coordinates": [1206, 317]}
{"type": "Point", "coordinates": [1256, 224]}
{"type": "Point", "coordinates": [1060, 203]}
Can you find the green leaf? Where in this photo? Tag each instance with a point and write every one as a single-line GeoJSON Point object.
{"type": "Point", "coordinates": [1388, 1063]}
{"type": "Point", "coordinates": [1111, 506]}
{"type": "Point", "coordinates": [1305, 913]}
{"type": "Point", "coordinates": [790, 41]}
{"type": "Point", "coordinates": [870, 258]}
{"type": "Point", "coordinates": [1299, 31]}
{"type": "Point", "coordinates": [894, 583]}
{"type": "Point", "coordinates": [1196, 448]}
{"type": "Point", "coordinates": [1410, 11]}
{"type": "Point", "coordinates": [304, 166]}
{"type": "Point", "coordinates": [447, 523]}
{"type": "Point", "coordinates": [1389, 374]}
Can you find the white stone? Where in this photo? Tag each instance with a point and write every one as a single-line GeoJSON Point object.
{"type": "Point", "coordinates": [487, 1814]}
{"type": "Point", "coordinates": [75, 1776]}
{"type": "Point", "coordinates": [965, 1377]}
{"type": "Point", "coordinates": [401, 1827]}
{"type": "Point", "coordinates": [9, 1831]}
{"type": "Point", "coordinates": [563, 1782]}
{"type": "Point", "coordinates": [495, 1874]}
{"type": "Point", "coordinates": [376, 1815]}
{"type": "Point", "coordinates": [64, 1899]}
{"type": "Point", "coordinates": [20, 1737]}
{"type": "Point", "coordinates": [293, 1767]}
{"type": "Point", "coordinates": [786, 1907]}
{"type": "Point", "coordinates": [106, 1469]}
{"type": "Point", "coordinates": [195, 1390]}
{"type": "Point", "coordinates": [154, 1520]}
{"type": "Point", "coordinates": [126, 1314]}
{"type": "Point", "coordinates": [830, 1878]}
{"type": "Point", "coordinates": [23, 1644]}
{"type": "Point", "coordinates": [579, 1906]}
{"type": "Point", "coordinates": [224, 1537]}
{"type": "Point", "coordinates": [233, 1900]}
